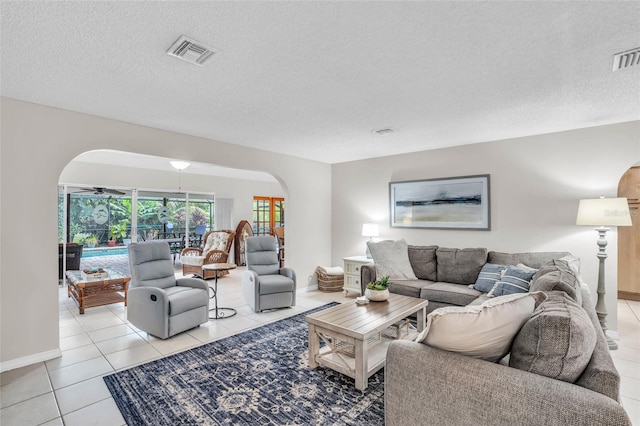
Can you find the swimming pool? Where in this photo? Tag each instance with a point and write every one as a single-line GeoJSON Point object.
{"type": "Point", "coordinates": [104, 252]}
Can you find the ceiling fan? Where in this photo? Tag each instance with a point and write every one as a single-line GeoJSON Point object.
{"type": "Point", "coordinates": [101, 191]}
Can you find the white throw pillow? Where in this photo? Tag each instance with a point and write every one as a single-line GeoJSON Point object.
{"type": "Point", "coordinates": [392, 259]}
{"type": "Point", "coordinates": [482, 331]}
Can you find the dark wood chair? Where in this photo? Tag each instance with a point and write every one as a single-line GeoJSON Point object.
{"type": "Point", "coordinates": [243, 231]}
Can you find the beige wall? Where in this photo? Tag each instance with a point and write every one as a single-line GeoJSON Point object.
{"type": "Point", "coordinates": [37, 144]}
{"type": "Point", "coordinates": [536, 183]}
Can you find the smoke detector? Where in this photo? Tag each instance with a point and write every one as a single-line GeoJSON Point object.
{"type": "Point", "coordinates": [192, 51]}
{"type": "Point", "coordinates": [626, 59]}
{"type": "Point", "coordinates": [384, 132]}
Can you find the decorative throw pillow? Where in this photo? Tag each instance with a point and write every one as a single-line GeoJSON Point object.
{"type": "Point", "coordinates": [557, 341]}
{"type": "Point", "coordinates": [423, 261]}
{"type": "Point", "coordinates": [489, 275]}
{"type": "Point", "coordinates": [572, 262]}
{"type": "Point", "coordinates": [460, 266]}
{"type": "Point", "coordinates": [516, 279]}
{"type": "Point", "coordinates": [481, 331]}
{"type": "Point", "coordinates": [391, 259]}
{"type": "Point", "coordinates": [557, 275]}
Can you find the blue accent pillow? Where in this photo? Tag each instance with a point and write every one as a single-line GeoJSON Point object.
{"type": "Point", "coordinates": [489, 276]}
{"type": "Point", "coordinates": [516, 279]}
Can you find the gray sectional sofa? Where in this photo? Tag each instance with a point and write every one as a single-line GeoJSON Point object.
{"type": "Point", "coordinates": [425, 385]}
{"type": "Point", "coordinates": [445, 274]}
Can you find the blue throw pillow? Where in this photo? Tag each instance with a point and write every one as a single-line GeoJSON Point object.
{"type": "Point", "coordinates": [489, 276]}
{"type": "Point", "coordinates": [515, 279]}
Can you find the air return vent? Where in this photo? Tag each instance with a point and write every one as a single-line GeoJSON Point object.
{"type": "Point", "coordinates": [191, 50]}
{"type": "Point", "coordinates": [627, 59]}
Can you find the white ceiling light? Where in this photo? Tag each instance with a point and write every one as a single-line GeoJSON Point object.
{"type": "Point", "coordinates": [626, 59]}
{"type": "Point", "coordinates": [192, 51]}
{"type": "Point", "coordinates": [180, 165]}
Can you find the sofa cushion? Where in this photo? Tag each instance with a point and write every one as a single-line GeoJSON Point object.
{"type": "Point", "coordinates": [482, 331]}
{"type": "Point", "coordinates": [183, 299]}
{"type": "Point", "coordinates": [423, 261]}
{"type": "Point", "coordinates": [460, 266]}
{"type": "Point", "coordinates": [557, 275]}
{"type": "Point", "coordinates": [192, 260]}
{"type": "Point", "coordinates": [391, 259]}
{"type": "Point", "coordinates": [531, 259]}
{"type": "Point", "coordinates": [516, 279]}
{"type": "Point", "coordinates": [453, 294]}
{"type": "Point", "coordinates": [409, 288]}
{"type": "Point", "coordinates": [557, 341]}
{"type": "Point", "coordinates": [489, 275]}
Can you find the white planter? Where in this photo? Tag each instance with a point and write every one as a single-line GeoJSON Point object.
{"type": "Point", "coordinates": [376, 295]}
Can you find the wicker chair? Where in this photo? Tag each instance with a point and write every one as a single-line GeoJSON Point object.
{"type": "Point", "coordinates": [217, 245]}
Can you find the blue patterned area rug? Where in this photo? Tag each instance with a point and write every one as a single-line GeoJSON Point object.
{"type": "Point", "coordinates": [258, 377]}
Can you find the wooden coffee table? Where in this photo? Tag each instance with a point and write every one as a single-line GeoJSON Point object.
{"type": "Point", "coordinates": [89, 292]}
{"type": "Point", "coordinates": [353, 334]}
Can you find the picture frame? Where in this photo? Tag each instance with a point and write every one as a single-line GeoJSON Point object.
{"type": "Point", "coordinates": [461, 202]}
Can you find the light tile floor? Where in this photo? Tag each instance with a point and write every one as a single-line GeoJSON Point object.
{"type": "Point", "coordinates": [70, 391]}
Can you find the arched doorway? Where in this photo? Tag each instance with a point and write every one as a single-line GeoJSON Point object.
{"type": "Point", "coordinates": [629, 238]}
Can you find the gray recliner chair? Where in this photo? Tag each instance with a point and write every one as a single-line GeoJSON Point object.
{"type": "Point", "coordinates": [265, 285]}
{"type": "Point", "coordinates": [158, 303]}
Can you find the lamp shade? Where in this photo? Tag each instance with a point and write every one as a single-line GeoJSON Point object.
{"type": "Point", "coordinates": [604, 212]}
{"type": "Point", "coordinates": [370, 230]}
{"type": "Point", "coordinates": [180, 165]}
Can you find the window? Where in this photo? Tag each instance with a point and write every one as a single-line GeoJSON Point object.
{"type": "Point", "coordinates": [91, 215]}
{"type": "Point", "coordinates": [268, 212]}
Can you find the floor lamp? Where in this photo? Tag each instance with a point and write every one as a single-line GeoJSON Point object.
{"type": "Point", "coordinates": [603, 212]}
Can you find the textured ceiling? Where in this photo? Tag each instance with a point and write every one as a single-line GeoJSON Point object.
{"type": "Point", "coordinates": [314, 79]}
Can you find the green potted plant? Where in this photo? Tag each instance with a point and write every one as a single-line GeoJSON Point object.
{"type": "Point", "coordinates": [81, 237]}
{"type": "Point", "coordinates": [91, 241]}
{"type": "Point", "coordinates": [378, 290]}
{"type": "Point", "coordinates": [118, 230]}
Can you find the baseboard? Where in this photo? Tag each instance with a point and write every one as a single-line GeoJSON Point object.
{"type": "Point", "coordinates": [627, 295]}
{"type": "Point", "coordinates": [28, 360]}
{"type": "Point", "coordinates": [613, 334]}
{"type": "Point", "coordinates": [312, 287]}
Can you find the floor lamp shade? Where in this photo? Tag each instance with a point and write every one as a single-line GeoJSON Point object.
{"type": "Point", "coordinates": [603, 212]}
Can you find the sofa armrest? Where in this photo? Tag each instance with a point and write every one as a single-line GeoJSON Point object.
{"type": "Point", "coordinates": [425, 385]}
{"type": "Point", "coordinates": [191, 251]}
{"type": "Point", "coordinates": [367, 275]}
{"type": "Point", "coordinates": [148, 309]}
{"type": "Point", "coordinates": [192, 282]}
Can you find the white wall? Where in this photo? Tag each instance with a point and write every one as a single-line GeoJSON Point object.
{"type": "Point", "coordinates": [37, 144]}
{"type": "Point", "coordinates": [536, 183]}
{"type": "Point", "coordinates": [240, 190]}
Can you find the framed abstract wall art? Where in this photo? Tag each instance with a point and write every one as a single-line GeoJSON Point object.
{"type": "Point", "coordinates": [447, 203]}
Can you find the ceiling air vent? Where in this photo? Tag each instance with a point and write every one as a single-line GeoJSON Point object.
{"type": "Point", "coordinates": [191, 50]}
{"type": "Point", "coordinates": [626, 59]}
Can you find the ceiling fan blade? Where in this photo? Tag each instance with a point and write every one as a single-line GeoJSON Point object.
{"type": "Point", "coordinates": [113, 191]}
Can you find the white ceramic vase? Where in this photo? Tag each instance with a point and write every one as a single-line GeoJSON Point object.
{"type": "Point", "coordinates": [377, 295]}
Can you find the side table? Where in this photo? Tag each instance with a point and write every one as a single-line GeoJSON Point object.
{"type": "Point", "coordinates": [219, 312]}
{"type": "Point", "coordinates": [352, 278]}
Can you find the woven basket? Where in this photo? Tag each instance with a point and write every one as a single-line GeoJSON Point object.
{"type": "Point", "coordinates": [350, 350]}
{"type": "Point", "coordinates": [329, 283]}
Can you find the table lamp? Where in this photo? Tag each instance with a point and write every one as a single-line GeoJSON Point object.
{"type": "Point", "coordinates": [370, 230]}
{"type": "Point", "coordinates": [602, 212]}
